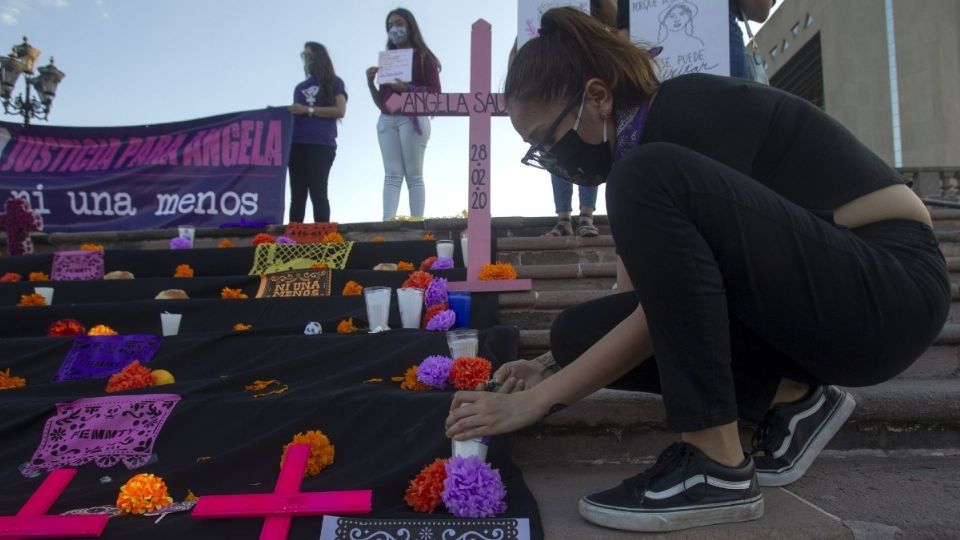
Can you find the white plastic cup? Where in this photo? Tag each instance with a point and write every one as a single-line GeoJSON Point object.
{"type": "Point", "coordinates": [463, 250]}
{"type": "Point", "coordinates": [188, 232]}
{"type": "Point", "coordinates": [444, 249]}
{"type": "Point", "coordinates": [170, 323]}
{"type": "Point", "coordinates": [462, 342]}
{"type": "Point", "coordinates": [378, 307]}
{"type": "Point", "coordinates": [46, 293]}
{"type": "Point", "coordinates": [410, 301]}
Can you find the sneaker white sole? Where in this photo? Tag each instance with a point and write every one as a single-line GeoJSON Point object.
{"type": "Point", "coordinates": [815, 445]}
{"type": "Point", "coordinates": [672, 519]}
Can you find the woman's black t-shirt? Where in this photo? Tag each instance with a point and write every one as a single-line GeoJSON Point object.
{"type": "Point", "coordinates": [776, 138]}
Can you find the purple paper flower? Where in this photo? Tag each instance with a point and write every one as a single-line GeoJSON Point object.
{"type": "Point", "coordinates": [436, 292]}
{"type": "Point", "coordinates": [442, 321]}
{"type": "Point", "coordinates": [180, 243]}
{"type": "Point", "coordinates": [434, 371]}
{"type": "Point", "coordinates": [473, 489]}
{"type": "Point", "coordinates": [443, 263]}
{"type": "Point", "coordinates": [285, 240]}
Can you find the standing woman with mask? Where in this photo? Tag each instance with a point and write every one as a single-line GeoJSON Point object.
{"type": "Point", "coordinates": [318, 102]}
{"type": "Point", "coordinates": [403, 139]}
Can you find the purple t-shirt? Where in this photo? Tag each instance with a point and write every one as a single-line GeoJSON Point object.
{"type": "Point", "coordinates": [310, 129]}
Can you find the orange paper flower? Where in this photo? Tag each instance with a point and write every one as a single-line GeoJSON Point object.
{"type": "Point", "coordinates": [319, 266]}
{"type": "Point", "coordinates": [432, 312]}
{"type": "Point", "coordinates": [332, 238]}
{"type": "Point", "coordinates": [418, 280]}
{"type": "Point", "coordinates": [8, 382]}
{"type": "Point", "coordinates": [352, 288]}
{"type": "Point", "coordinates": [134, 376]}
{"type": "Point", "coordinates": [264, 238]}
{"type": "Point", "coordinates": [92, 247]}
{"type": "Point", "coordinates": [225, 243]}
{"type": "Point", "coordinates": [429, 236]}
{"type": "Point", "coordinates": [405, 266]}
{"type": "Point", "coordinates": [32, 300]}
{"type": "Point", "coordinates": [424, 492]}
{"type": "Point", "coordinates": [10, 277]}
{"type": "Point", "coordinates": [498, 270]}
{"type": "Point", "coordinates": [467, 372]}
{"type": "Point", "coordinates": [232, 294]}
{"type": "Point", "coordinates": [143, 493]}
{"type": "Point", "coordinates": [410, 381]}
{"type": "Point", "coordinates": [101, 330]}
{"type": "Point", "coordinates": [427, 263]}
{"type": "Point", "coordinates": [66, 327]}
{"type": "Point", "coordinates": [38, 276]}
{"type": "Point", "coordinates": [183, 271]}
{"type": "Point", "coordinates": [378, 238]}
{"type": "Point", "coordinates": [346, 326]}
{"type": "Point", "coordinates": [321, 451]}
{"type": "Point", "coordinates": [240, 327]}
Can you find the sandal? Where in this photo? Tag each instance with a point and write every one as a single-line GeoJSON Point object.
{"type": "Point", "coordinates": [586, 228]}
{"type": "Point", "coordinates": [562, 228]}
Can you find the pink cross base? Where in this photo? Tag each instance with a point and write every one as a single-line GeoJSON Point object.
{"type": "Point", "coordinates": [286, 501]}
{"type": "Point", "coordinates": [31, 521]}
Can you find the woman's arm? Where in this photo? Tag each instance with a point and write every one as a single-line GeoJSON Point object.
{"type": "Point", "coordinates": [756, 10]}
{"type": "Point", "coordinates": [374, 93]}
{"type": "Point", "coordinates": [477, 414]}
{"type": "Point", "coordinates": [337, 110]}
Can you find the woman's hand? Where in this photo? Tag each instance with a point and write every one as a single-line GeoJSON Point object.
{"type": "Point", "coordinates": [478, 414]}
{"type": "Point", "coordinates": [296, 108]}
{"type": "Point", "coordinates": [526, 374]}
{"type": "Point", "coordinates": [371, 74]}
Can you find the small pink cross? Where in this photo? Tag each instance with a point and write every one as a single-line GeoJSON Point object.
{"type": "Point", "coordinates": [286, 501]}
{"type": "Point", "coordinates": [31, 521]}
{"type": "Point", "coordinates": [17, 222]}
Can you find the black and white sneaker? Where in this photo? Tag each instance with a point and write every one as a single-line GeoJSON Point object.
{"type": "Point", "coordinates": [792, 435]}
{"type": "Point", "coordinates": [683, 489]}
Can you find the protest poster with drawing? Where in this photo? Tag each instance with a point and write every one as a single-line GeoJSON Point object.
{"type": "Point", "coordinates": [694, 34]}
{"type": "Point", "coordinates": [530, 11]}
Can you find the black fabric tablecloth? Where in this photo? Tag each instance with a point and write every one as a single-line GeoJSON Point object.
{"type": "Point", "coordinates": [383, 435]}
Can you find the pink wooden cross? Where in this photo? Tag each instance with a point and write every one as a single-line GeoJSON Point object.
{"type": "Point", "coordinates": [17, 222]}
{"type": "Point", "coordinates": [480, 104]}
{"type": "Point", "coordinates": [286, 501]}
{"type": "Point", "coordinates": [32, 522]}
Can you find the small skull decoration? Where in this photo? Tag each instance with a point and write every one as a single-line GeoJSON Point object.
{"type": "Point", "coordinates": [313, 328]}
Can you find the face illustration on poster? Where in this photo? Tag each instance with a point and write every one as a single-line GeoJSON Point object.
{"type": "Point", "coordinates": [694, 34]}
{"type": "Point", "coordinates": [677, 28]}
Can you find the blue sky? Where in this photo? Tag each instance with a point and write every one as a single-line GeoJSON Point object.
{"type": "Point", "coordinates": [140, 62]}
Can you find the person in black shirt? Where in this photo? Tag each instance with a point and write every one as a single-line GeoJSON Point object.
{"type": "Point", "coordinates": [773, 256]}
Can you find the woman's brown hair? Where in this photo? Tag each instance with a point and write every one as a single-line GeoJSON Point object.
{"type": "Point", "coordinates": [415, 37]}
{"type": "Point", "coordinates": [573, 48]}
{"type": "Point", "coordinates": [320, 67]}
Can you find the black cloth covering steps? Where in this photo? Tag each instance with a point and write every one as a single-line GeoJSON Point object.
{"type": "Point", "coordinates": [383, 435]}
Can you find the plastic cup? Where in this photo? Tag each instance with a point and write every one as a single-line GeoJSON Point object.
{"type": "Point", "coordinates": [170, 323]}
{"type": "Point", "coordinates": [378, 307]}
{"type": "Point", "coordinates": [410, 301]}
{"type": "Point", "coordinates": [444, 249]}
{"type": "Point", "coordinates": [460, 304]}
{"type": "Point", "coordinates": [188, 232]}
{"type": "Point", "coordinates": [471, 448]}
{"type": "Point", "coordinates": [462, 342]}
{"type": "Point", "coordinates": [463, 250]}
{"type": "Point", "coordinates": [46, 293]}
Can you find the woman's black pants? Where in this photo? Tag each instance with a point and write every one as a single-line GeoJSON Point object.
{"type": "Point", "coordinates": [742, 287]}
{"type": "Point", "coordinates": [309, 172]}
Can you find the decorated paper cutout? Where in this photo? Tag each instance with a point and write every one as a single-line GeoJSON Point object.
{"type": "Point", "coordinates": [296, 283]}
{"type": "Point", "coordinates": [342, 528]}
{"type": "Point", "coordinates": [273, 258]}
{"type": "Point", "coordinates": [31, 521]}
{"type": "Point", "coordinates": [77, 265]}
{"type": "Point", "coordinates": [98, 357]}
{"type": "Point", "coordinates": [309, 233]}
{"type": "Point", "coordinates": [105, 430]}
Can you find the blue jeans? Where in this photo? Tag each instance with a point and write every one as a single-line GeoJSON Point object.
{"type": "Point", "coordinates": [402, 149]}
{"type": "Point", "coordinates": [563, 195]}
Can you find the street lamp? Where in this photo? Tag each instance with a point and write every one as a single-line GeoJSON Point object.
{"type": "Point", "coordinates": [23, 59]}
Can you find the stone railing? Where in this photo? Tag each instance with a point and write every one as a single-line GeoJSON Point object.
{"type": "Point", "coordinates": [935, 185]}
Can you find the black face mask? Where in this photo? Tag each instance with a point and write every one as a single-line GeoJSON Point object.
{"type": "Point", "coordinates": [572, 158]}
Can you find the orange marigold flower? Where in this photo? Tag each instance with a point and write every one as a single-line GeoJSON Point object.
{"type": "Point", "coordinates": [264, 238]}
{"type": "Point", "coordinates": [332, 238]}
{"type": "Point", "coordinates": [66, 327]}
{"type": "Point", "coordinates": [232, 294]}
{"type": "Point", "coordinates": [134, 376]}
{"type": "Point", "coordinates": [321, 451]}
{"type": "Point", "coordinates": [405, 266]}
{"type": "Point", "coordinates": [498, 270]}
{"type": "Point", "coordinates": [346, 326]}
{"type": "Point", "coordinates": [8, 381]}
{"type": "Point", "coordinates": [429, 236]}
{"type": "Point", "coordinates": [183, 271]}
{"type": "Point", "coordinates": [225, 243]}
{"type": "Point", "coordinates": [32, 300]}
{"type": "Point", "coordinates": [418, 280]}
{"type": "Point", "coordinates": [38, 276]}
{"type": "Point", "coordinates": [101, 330]}
{"type": "Point", "coordinates": [143, 493]}
{"type": "Point", "coordinates": [240, 327]}
{"type": "Point", "coordinates": [427, 263]}
{"type": "Point", "coordinates": [432, 312]}
{"type": "Point", "coordinates": [10, 277]}
{"type": "Point", "coordinates": [410, 381]}
{"type": "Point", "coordinates": [424, 492]}
{"type": "Point", "coordinates": [378, 238]}
{"type": "Point", "coordinates": [467, 372]}
{"type": "Point", "coordinates": [352, 288]}
{"type": "Point", "coordinates": [319, 266]}
{"type": "Point", "coordinates": [92, 247]}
